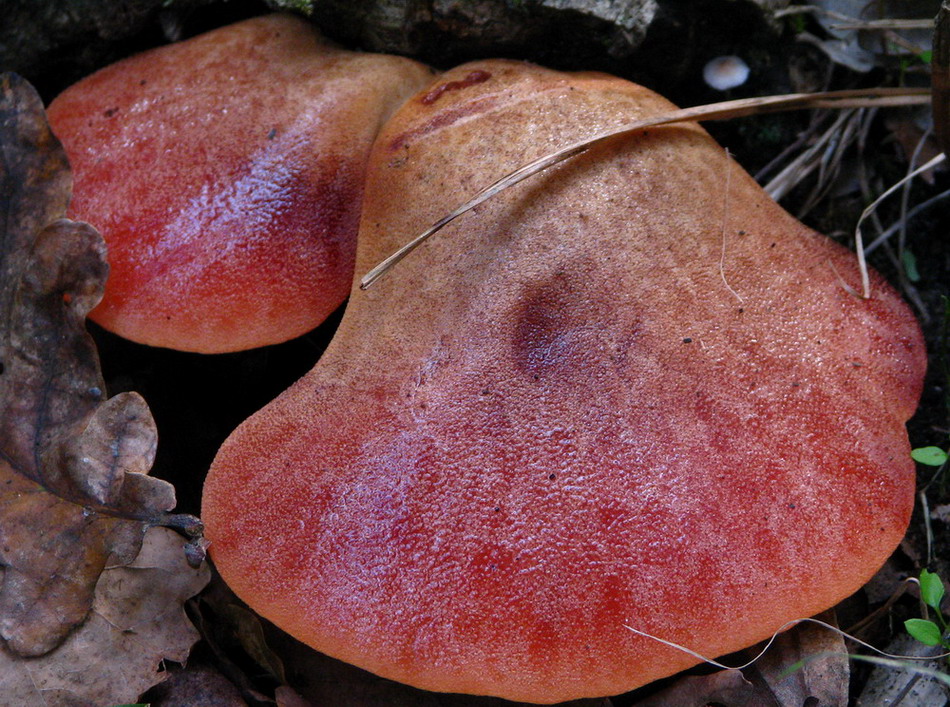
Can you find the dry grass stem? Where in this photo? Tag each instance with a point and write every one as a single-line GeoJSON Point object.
{"type": "Point", "coordinates": [806, 137]}
{"type": "Point", "coordinates": [784, 627]}
{"type": "Point", "coordinates": [859, 239]}
{"type": "Point", "coordinates": [847, 22]}
{"type": "Point", "coordinates": [881, 25]}
{"type": "Point", "coordinates": [715, 111]}
{"type": "Point", "coordinates": [725, 218]}
{"type": "Point", "coordinates": [825, 153]}
{"type": "Point", "coordinates": [854, 132]}
{"type": "Point", "coordinates": [940, 76]}
{"type": "Point", "coordinates": [911, 213]}
{"type": "Point", "coordinates": [905, 193]}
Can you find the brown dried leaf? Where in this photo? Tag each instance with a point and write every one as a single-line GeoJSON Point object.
{"type": "Point", "coordinates": [905, 688]}
{"type": "Point", "coordinates": [803, 667]}
{"type": "Point", "coordinates": [806, 665]}
{"type": "Point", "coordinates": [115, 654]}
{"type": "Point", "coordinates": [287, 697]}
{"type": "Point", "coordinates": [240, 626]}
{"type": "Point", "coordinates": [726, 687]}
{"type": "Point", "coordinates": [196, 686]}
{"type": "Point", "coordinates": [74, 494]}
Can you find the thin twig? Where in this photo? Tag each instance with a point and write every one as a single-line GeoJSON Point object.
{"type": "Point", "coordinates": [856, 628]}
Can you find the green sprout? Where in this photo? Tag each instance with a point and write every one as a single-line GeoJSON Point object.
{"type": "Point", "coordinates": [931, 456]}
{"type": "Point", "coordinates": [907, 60]}
{"type": "Point", "coordinates": [924, 630]}
{"type": "Point", "coordinates": [909, 261]}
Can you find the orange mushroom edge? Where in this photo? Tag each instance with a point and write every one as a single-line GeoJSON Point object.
{"type": "Point", "coordinates": [631, 391]}
{"type": "Point", "coordinates": [225, 173]}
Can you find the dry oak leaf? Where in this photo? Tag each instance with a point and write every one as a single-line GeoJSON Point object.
{"type": "Point", "coordinates": [136, 622]}
{"type": "Point", "coordinates": [75, 497]}
{"type": "Point", "coordinates": [726, 688]}
{"type": "Point", "coordinates": [804, 666]}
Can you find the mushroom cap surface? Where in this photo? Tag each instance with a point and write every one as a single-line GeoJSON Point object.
{"type": "Point", "coordinates": [225, 173]}
{"type": "Point", "coordinates": [631, 391]}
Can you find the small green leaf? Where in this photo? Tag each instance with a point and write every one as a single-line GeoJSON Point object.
{"type": "Point", "coordinates": [931, 456]}
{"type": "Point", "coordinates": [926, 56]}
{"type": "Point", "coordinates": [910, 266]}
{"type": "Point", "coordinates": [931, 589]}
{"type": "Point", "coordinates": [927, 632]}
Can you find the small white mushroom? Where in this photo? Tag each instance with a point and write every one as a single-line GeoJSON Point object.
{"type": "Point", "coordinates": [725, 72]}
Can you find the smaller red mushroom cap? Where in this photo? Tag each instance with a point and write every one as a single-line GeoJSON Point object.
{"type": "Point", "coordinates": [225, 173]}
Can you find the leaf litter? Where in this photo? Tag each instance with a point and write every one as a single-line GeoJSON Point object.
{"type": "Point", "coordinates": [91, 473]}
{"type": "Point", "coordinates": [92, 591]}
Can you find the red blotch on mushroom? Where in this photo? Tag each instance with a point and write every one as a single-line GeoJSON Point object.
{"type": "Point", "coordinates": [225, 173]}
{"type": "Point", "coordinates": [630, 391]}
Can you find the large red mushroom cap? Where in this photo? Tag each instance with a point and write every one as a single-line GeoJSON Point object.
{"type": "Point", "coordinates": [225, 173]}
{"type": "Point", "coordinates": [630, 391]}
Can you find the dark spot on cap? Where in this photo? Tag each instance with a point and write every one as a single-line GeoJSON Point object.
{"type": "Point", "coordinates": [547, 337]}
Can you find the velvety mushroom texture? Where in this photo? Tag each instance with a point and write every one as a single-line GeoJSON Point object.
{"type": "Point", "coordinates": [630, 391]}
{"type": "Point", "coordinates": [225, 173]}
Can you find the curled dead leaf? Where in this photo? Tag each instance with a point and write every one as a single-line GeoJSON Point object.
{"type": "Point", "coordinates": [75, 497]}
{"type": "Point", "coordinates": [120, 439]}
